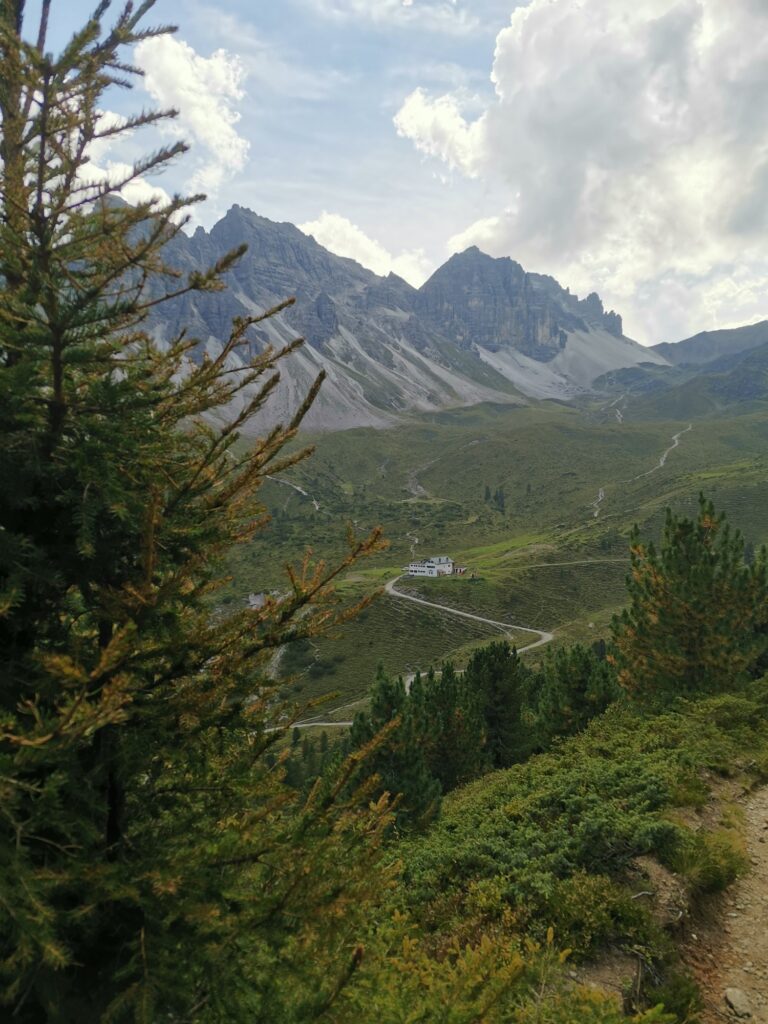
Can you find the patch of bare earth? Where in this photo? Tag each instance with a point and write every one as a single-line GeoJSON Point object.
{"type": "Point", "coordinates": [619, 974]}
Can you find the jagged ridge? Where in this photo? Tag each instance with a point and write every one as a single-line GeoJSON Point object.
{"type": "Point", "coordinates": [480, 329]}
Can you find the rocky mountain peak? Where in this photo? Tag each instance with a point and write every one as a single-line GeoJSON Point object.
{"type": "Point", "coordinates": [477, 299]}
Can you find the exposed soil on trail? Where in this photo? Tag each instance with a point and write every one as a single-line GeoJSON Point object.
{"type": "Point", "coordinates": [727, 945]}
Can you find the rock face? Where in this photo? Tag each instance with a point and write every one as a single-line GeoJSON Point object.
{"type": "Point", "coordinates": [479, 330]}
{"type": "Point", "coordinates": [494, 303]}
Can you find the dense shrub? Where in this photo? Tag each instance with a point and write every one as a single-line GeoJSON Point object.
{"type": "Point", "coordinates": [533, 841]}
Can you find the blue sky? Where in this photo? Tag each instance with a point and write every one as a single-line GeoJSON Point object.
{"type": "Point", "coordinates": [619, 145]}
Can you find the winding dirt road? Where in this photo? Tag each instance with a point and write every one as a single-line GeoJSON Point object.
{"type": "Point", "coordinates": [543, 638]}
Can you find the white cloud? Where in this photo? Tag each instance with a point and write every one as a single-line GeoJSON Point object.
{"type": "Point", "coordinates": [205, 90]}
{"type": "Point", "coordinates": [346, 239]}
{"type": "Point", "coordinates": [438, 128]}
{"type": "Point", "coordinates": [102, 165]}
{"type": "Point", "coordinates": [437, 15]}
{"type": "Point", "coordinates": [633, 160]}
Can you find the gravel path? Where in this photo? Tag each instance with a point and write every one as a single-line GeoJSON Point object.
{"type": "Point", "coordinates": [601, 495]}
{"type": "Point", "coordinates": [732, 952]}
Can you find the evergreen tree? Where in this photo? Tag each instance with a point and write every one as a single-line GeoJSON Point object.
{"type": "Point", "coordinates": [572, 686]}
{"type": "Point", "coordinates": [154, 865]}
{"type": "Point", "coordinates": [696, 622]}
{"type": "Point", "coordinates": [497, 674]}
{"type": "Point", "coordinates": [400, 721]}
{"type": "Point", "coordinates": [455, 733]}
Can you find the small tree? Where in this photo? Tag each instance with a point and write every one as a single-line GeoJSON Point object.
{"type": "Point", "coordinates": [153, 865]}
{"type": "Point", "coordinates": [697, 612]}
{"type": "Point", "coordinates": [400, 760]}
{"type": "Point", "coordinates": [499, 678]}
{"type": "Point", "coordinates": [572, 686]}
{"type": "Point", "coordinates": [455, 735]}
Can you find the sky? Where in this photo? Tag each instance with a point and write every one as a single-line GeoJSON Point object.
{"type": "Point", "coordinates": [618, 145]}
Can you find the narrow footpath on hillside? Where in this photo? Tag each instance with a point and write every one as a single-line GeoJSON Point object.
{"type": "Point", "coordinates": [664, 455]}
{"type": "Point", "coordinates": [295, 487]}
{"type": "Point", "coordinates": [601, 494]}
{"type": "Point", "coordinates": [728, 949]}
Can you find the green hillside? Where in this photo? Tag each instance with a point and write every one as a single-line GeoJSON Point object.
{"type": "Point", "coordinates": [511, 493]}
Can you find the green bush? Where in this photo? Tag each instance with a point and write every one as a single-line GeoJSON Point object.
{"type": "Point", "coordinates": [534, 843]}
{"type": "Point", "coordinates": [593, 910]}
{"type": "Point", "coordinates": [679, 995]}
{"type": "Point", "coordinates": [710, 861]}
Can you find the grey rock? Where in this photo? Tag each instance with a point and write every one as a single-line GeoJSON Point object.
{"type": "Point", "coordinates": [494, 303]}
{"type": "Point", "coordinates": [736, 1000]}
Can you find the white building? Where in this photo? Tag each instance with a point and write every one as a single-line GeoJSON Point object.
{"type": "Point", "coordinates": [438, 565]}
{"type": "Point", "coordinates": [444, 564]}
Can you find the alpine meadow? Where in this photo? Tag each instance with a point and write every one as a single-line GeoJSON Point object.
{"type": "Point", "coordinates": [383, 629]}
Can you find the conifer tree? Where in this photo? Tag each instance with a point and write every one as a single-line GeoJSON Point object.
{"type": "Point", "coordinates": [572, 686]}
{"type": "Point", "coordinates": [696, 621]}
{"type": "Point", "coordinates": [497, 674]}
{"type": "Point", "coordinates": [154, 866]}
{"type": "Point", "coordinates": [455, 729]}
{"type": "Point", "coordinates": [400, 760]}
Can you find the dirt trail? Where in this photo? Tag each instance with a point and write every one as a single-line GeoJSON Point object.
{"type": "Point", "coordinates": [600, 499]}
{"type": "Point", "coordinates": [659, 465]}
{"type": "Point", "coordinates": [729, 953]}
{"type": "Point", "coordinates": [665, 454]}
{"type": "Point", "coordinates": [295, 487]}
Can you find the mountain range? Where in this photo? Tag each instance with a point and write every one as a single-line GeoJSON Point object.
{"type": "Point", "coordinates": [479, 330]}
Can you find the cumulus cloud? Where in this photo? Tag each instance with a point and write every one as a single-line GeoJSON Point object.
{"type": "Point", "coordinates": [438, 15]}
{"type": "Point", "coordinates": [633, 160]}
{"type": "Point", "coordinates": [341, 236]}
{"type": "Point", "coordinates": [438, 128]}
{"type": "Point", "coordinates": [205, 90]}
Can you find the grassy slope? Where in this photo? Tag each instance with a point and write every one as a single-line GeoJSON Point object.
{"type": "Point", "coordinates": [425, 482]}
